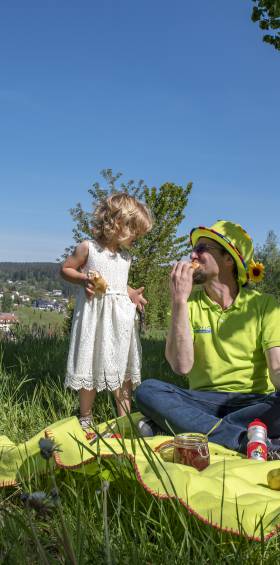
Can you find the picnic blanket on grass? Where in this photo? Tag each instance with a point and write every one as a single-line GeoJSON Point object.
{"type": "Point", "coordinates": [231, 494]}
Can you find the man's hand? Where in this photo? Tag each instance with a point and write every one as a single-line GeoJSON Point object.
{"type": "Point", "coordinates": [181, 281]}
{"type": "Point", "coordinates": [136, 296]}
{"type": "Point", "coordinates": [179, 350]}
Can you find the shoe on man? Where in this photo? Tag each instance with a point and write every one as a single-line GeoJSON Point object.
{"type": "Point", "coordinates": [148, 428]}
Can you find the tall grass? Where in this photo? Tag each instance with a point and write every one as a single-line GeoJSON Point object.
{"type": "Point", "coordinates": [120, 523]}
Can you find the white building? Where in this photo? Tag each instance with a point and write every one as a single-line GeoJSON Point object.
{"type": "Point", "coordinates": [57, 292]}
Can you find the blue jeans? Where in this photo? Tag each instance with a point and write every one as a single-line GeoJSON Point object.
{"type": "Point", "coordinates": [182, 410]}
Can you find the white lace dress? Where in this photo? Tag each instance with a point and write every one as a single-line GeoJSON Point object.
{"type": "Point", "coordinates": [105, 347]}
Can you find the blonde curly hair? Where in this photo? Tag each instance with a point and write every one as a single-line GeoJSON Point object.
{"type": "Point", "coordinates": [121, 216]}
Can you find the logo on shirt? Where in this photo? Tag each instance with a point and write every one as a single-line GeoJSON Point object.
{"type": "Point", "coordinates": [205, 330]}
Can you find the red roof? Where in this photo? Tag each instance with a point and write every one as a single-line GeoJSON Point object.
{"type": "Point", "coordinates": [6, 318]}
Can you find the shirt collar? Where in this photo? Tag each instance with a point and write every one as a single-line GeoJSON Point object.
{"type": "Point", "coordinates": [206, 302]}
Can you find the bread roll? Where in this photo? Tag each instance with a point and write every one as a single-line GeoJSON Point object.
{"type": "Point", "coordinates": [195, 264]}
{"type": "Point", "coordinates": [99, 284]}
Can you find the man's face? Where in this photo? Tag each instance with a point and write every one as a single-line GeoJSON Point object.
{"type": "Point", "coordinates": [212, 262]}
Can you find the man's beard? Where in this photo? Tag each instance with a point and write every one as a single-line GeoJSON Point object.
{"type": "Point", "coordinates": [199, 277]}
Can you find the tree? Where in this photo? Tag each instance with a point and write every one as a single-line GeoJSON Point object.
{"type": "Point", "coordinates": [7, 302]}
{"type": "Point", "coordinates": [267, 13]}
{"type": "Point", "coordinates": [154, 253]}
{"type": "Point", "coordinates": [269, 254]}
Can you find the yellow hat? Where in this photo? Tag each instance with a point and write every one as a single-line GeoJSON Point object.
{"type": "Point", "coordinates": [238, 243]}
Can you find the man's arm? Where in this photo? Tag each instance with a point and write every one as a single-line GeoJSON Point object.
{"type": "Point", "coordinates": [273, 362]}
{"type": "Point", "coordinates": [179, 343]}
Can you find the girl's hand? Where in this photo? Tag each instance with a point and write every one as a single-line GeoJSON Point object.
{"type": "Point", "coordinates": [89, 288]}
{"type": "Point", "coordinates": [136, 296]}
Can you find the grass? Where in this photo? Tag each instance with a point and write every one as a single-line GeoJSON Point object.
{"type": "Point", "coordinates": [120, 524]}
{"type": "Point", "coordinates": [29, 316]}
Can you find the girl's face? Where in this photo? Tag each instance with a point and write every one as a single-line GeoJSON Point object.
{"type": "Point", "coordinates": [128, 241]}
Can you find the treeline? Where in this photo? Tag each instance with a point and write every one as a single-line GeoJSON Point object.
{"type": "Point", "coordinates": [29, 271]}
{"type": "Point", "coordinates": [40, 275]}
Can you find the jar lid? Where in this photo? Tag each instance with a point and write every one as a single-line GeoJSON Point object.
{"type": "Point", "coordinates": [191, 438]}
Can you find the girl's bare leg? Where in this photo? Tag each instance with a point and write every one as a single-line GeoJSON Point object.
{"type": "Point", "coordinates": [87, 398]}
{"type": "Point", "coordinates": [123, 398]}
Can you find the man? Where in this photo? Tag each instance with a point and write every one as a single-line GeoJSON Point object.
{"type": "Point", "coordinates": [226, 338]}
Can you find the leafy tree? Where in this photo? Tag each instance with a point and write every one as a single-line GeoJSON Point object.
{"type": "Point", "coordinates": [154, 253]}
{"type": "Point", "coordinates": [267, 13]}
{"type": "Point", "coordinates": [7, 302]}
{"type": "Point", "coordinates": [269, 254]}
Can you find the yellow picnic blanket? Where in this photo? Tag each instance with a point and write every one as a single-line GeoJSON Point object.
{"type": "Point", "coordinates": [231, 494]}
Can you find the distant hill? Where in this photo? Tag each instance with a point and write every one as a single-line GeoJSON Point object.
{"type": "Point", "coordinates": [41, 275]}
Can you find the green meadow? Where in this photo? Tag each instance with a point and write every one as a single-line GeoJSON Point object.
{"type": "Point", "coordinates": [29, 317]}
{"type": "Point", "coordinates": [95, 522]}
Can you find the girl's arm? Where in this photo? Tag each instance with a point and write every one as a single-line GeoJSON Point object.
{"type": "Point", "coordinates": [70, 268]}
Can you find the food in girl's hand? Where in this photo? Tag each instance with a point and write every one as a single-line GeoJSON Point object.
{"type": "Point", "coordinates": [100, 285]}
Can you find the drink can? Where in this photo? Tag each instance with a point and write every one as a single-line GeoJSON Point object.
{"type": "Point", "coordinates": [257, 450]}
{"type": "Point", "coordinates": [257, 444]}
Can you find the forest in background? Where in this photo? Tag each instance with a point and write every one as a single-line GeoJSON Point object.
{"type": "Point", "coordinates": [39, 275]}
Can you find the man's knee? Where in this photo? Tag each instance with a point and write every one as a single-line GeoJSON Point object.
{"type": "Point", "coordinates": [145, 389]}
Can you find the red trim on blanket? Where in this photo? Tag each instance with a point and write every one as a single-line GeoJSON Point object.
{"type": "Point", "coordinates": [59, 463]}
{"type": "Point", "coordinates": [11, 483]}
{"type": "Point", "coordinates": [57, 458]}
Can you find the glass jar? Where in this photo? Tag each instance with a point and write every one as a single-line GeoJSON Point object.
{"type": "Point", "coordinates": [192, 449]}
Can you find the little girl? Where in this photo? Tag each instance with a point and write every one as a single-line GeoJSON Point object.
{"type": "Point", "coordinates": [105, 349]}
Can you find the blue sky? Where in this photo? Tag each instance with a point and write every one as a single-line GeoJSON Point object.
{"type": "Point", "coordinates": [165, 91]}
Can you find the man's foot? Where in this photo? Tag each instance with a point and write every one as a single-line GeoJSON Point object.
{"type": "Point", "coordinates": [148, 428]}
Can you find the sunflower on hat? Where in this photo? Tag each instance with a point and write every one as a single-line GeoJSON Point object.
{"type": "Point", "coordinates": [238, 243]}
{"type": "Point", "coordinates": [256, 271]}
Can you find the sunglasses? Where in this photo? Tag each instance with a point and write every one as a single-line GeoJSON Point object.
{"type": "Point", "coordinates": [203, 248]}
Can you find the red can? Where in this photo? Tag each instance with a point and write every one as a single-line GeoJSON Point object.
{"type": "Point", "coordinates": [257, 444]}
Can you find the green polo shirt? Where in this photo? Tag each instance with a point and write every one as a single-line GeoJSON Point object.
{"type": "Point", "coordinates": [229, 344]}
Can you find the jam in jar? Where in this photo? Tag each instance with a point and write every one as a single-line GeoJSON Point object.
{"type": "Point", "coordinates": [192, 449]}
